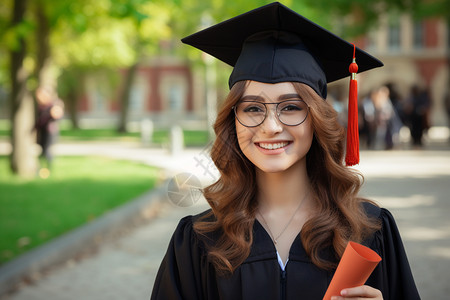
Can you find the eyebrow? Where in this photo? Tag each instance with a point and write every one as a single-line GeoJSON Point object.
{"type": "Point", "coordinates": [260, 98]}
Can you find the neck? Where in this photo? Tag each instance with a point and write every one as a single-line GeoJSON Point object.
{"type": "Point", "coordinates": [282, 189]}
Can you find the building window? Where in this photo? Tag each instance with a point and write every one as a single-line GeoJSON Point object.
{"type": "Point", "coordinates": [371, 41]}
{"type": "Point", "coordinates": [176, 98]}
{"type": "Point", "coordinates": [394, 41]}
{"type": "Point", "coordinates": [98, 101]}
{"type": "Point", "coordinates": [174, 93]}
{"type": "Point", "coordinates": [448, 35]}
{"type": "Point", "coordinates": [97, 93]}
{"type": "Point", "coordinates": [139, 93]}
{"type": "Point", "coordinates": [418, 37]}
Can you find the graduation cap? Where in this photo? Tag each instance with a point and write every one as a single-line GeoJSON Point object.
{"type": "Point", "coordinates": [274, 44]}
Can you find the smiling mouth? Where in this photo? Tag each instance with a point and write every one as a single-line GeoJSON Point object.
{"type": "Point", "coordinates": [273, 146]}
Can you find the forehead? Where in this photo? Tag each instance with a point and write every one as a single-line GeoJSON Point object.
{"type": "Point", "coordinates": [269, 90]}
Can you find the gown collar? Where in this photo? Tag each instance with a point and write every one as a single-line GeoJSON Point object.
{"type": "Point", "coordinates": [264, 248]}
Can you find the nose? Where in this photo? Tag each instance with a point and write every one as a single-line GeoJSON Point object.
{"type": "Point", "coordinates": [271, 124]}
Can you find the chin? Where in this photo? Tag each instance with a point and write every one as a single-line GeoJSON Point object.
{"type": "Point", "coordinates": [279, 167]}
{"type": "Point", "coordinates": [273, 168]}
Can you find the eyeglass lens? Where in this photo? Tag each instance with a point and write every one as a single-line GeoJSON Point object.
{"type": "Point", "coordinates": [289, 112]}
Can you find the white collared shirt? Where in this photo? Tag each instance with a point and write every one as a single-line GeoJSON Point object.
{"type": "Point", "coordinates": [280, 262]}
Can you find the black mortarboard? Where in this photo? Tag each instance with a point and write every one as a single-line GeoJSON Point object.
{"type": "Point", "coordinates": [274, 44]}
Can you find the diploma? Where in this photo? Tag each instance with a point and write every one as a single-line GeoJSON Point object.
{"type": "Point", "coordinates": [355, 267]}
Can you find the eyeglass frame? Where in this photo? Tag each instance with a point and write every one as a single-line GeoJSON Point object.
{"type": "Point", "coordinates": [266, 112]}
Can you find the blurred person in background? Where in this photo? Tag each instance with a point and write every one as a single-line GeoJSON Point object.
{"type": "Point", "coordinates": [381, 123]}
{"type": "Point", "coordinates": [368, 117]}
{"type": "Point", "coordinates": [385, 118]}
{"type": "Point", "coordinates": [399, 114]}
{"type": "Point", "coordinates": [49, 109]}
{"type": "Point", "coordinates": [336, 99]}
{"type": "Point", "coordinates": [447, 109]}
{"type": "Point", "coordinates": [419, 103]}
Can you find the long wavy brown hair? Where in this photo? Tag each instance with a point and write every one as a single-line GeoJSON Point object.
{"type": "Point", "coordinates": [339, 216]}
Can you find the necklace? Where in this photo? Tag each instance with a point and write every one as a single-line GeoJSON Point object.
{"type": "Point", "coordinates": [274, 239]}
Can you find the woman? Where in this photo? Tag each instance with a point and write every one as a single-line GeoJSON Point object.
{"type": "Point", "coordinates": [285, 206]}
{"type": "Point", "coordinates": [50, 109]}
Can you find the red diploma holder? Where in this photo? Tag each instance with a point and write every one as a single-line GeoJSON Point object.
{"type": "Point", "coordinates": [355, 267]}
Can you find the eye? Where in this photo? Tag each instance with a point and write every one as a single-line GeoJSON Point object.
{"type": "Point", "coordinates": [292, 106]}
{"type": "Point", "coordinates": [253, 109]}
{"type": "Point", "coordinates": [249, 107]}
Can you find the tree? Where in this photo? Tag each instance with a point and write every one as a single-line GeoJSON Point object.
{"type": "Point", "coordinates": [122, 33]}
{"type": "Point", "coordinates": [32, 40]}
{"type": "Point", "coordinates": [149, 22]}
{"type": "Point", "coordinates": [70, 86]}
{"type": "Point", "coordinates": [22, 160]}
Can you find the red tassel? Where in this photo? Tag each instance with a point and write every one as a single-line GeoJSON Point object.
{"type": "Point", "coordinates": [352, 156]}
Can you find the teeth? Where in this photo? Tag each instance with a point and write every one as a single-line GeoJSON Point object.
{"type": "Point", "coordinates": [273, 146]}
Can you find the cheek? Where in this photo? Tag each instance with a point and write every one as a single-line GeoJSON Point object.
{"type": "Point", "coordinates": [309, 131]}
{"type": "Point", "coordinates": [306, 134]}
{"type": "Point", "coordinates": [309, 134]}
{"type": "Point", "coordinates": [244, 136]}
{"type": "Point", "coordinates": [309, 138]}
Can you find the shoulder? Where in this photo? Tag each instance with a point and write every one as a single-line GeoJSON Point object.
{"type": "Point", "coordinates": [376, 212]}
{"type": "Point", "coordinates": [393, 275]}
{"type": "Point", "coordinates": [206, 215]}
{"type": "Point", "coordinates": [388, 230]}
{"type": "Point", "coordinates": [372, 210]}
{"type": "Point", "coordinates": [186, 224]}
{"type": "Point", "coordinates": [185, 232]}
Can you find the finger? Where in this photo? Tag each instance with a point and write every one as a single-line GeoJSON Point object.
{"type": "Point", "coordinates": [362, 291]}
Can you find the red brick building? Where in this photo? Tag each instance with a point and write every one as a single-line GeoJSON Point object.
{"type": "Point", "coordinates": [162, 90]}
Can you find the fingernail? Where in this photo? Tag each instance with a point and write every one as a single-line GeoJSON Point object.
{"type": "Point", "coordinates": [343, 292]}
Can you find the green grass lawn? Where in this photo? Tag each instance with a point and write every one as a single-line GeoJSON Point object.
{"type": "Point", "coordinates": [192, 138]}
{"type": "Point", "coordinates": [96, 134]}
{"type": "Point", "coordinates": [79, 190]}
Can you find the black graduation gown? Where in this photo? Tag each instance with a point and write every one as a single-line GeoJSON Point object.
{"type": "Point", "coordinates": [185, 272]}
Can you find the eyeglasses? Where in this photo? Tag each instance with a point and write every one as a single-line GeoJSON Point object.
{"type": "Point", "coordinates": [288, 112]}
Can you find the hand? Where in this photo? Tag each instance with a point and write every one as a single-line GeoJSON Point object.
{"type": "Point", "coordinates": [359, 292]}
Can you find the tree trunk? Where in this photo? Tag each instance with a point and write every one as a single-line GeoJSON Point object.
{"type": "Point", "coordinates": [70, 87]}
{"type": "Point", "coordinates": [22, 160]}
{"type": "Point", "coordinates": [125, 98]}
